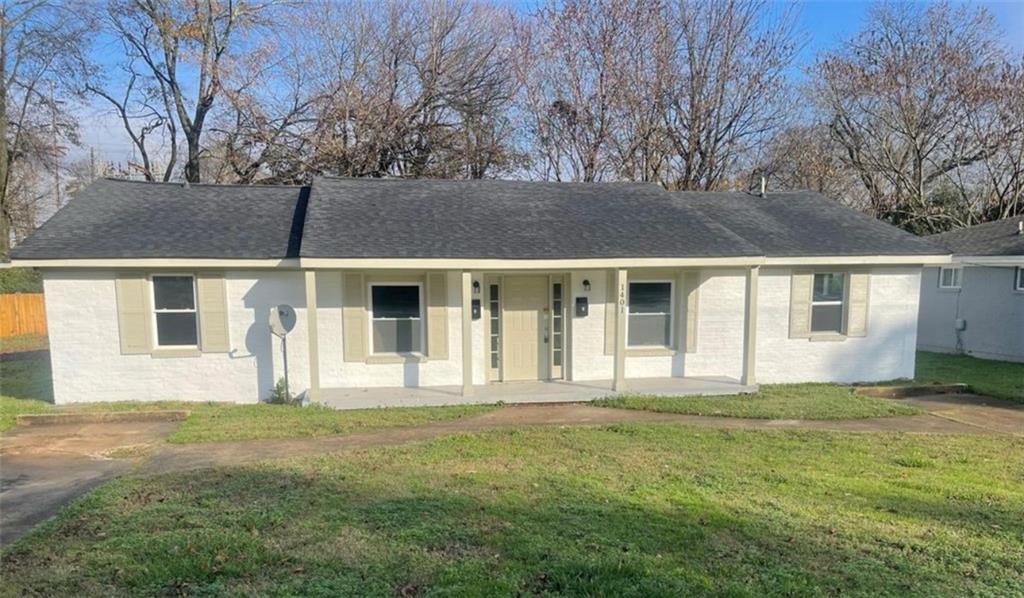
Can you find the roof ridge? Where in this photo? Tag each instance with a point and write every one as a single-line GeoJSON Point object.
{"type": "Point", "coordinates": [441, 180]}
{"type": "Point", "coordinates": [183, 185]}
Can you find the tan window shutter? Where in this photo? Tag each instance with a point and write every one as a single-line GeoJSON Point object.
{"type": "Point", "coordinates": [133, 313]}
{"type": "Point", "coordinates": [353, 316]}
{"type": "Point", "coordinates": [800, 304]}
{"type": "Point", "coordinates": [609, 313]}
{"type": "Point", "coordinates": [857, 304]}
{"type": "Point", "coordinates": [211, 291]}
{"type": "Point", "coordinates": [691, 297]}
{"type": "Point", "coordinates": [437, 315]}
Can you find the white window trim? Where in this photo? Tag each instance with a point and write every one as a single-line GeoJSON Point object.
{"type": "Point", "coordinates": [958, 277]}
{"type": "Point", "coordinates": [671, 313]}
{"type": "Point", "coordinates": [1018, 279]}
{"type": "Point", "coordinates": [154, 311]}
{"type": "Point", "coordinates": [842, 303]}
{"type": "Point", "coordinates": [370, 320]}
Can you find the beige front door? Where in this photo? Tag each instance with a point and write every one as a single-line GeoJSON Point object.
{"type": "Point", "coordinates": [524, 320]}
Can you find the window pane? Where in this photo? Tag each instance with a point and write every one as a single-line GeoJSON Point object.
{"type": "Point", "coordinates": [176, 329]}
{"type": "Point", "coordinates": [396, 301]}
{"type": "Point", "coordinates": [828, 286]}
{"type": "Point", "coordinates": [650, 297]}
{"type": "Point", "coordinates": [649, 330]}
{"type": "Point", "coordinates": [494, 361]}
{"type": "Point", "coordinates": [827, 318]}
{"type": "Point", "coordinates": [556, 290]}
{"type": "Point", "coordinates": [494, 292]}
{"type": "Point", "coordinates": [557, 359]}
{"type": "Point", "coordinates": [396, 336]}
{"type": "Point", "coordinates": [173, 292]}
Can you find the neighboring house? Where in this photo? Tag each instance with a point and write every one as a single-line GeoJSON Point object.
{"type": "Point", "coordinates": [163, 291]}
{"type": "Point", "coordinates": [975, 305]}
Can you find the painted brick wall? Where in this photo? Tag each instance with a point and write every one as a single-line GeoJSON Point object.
{"type": "Point", "coordinates": [88, 365]}
{"type": "Point", "coordinates": [338, 373]}
{"type": "Point", "coordinates": [887, 352]}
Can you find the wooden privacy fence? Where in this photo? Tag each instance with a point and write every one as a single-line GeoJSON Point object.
{"type": "Point", "coordinates": [22, 313]}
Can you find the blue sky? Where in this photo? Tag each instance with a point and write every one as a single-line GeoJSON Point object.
{"type": "Point", "coordinates": [827, 22]}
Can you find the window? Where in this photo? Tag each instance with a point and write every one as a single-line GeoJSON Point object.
{"type": "Point", "coordinates": [495, 316]}
{"type": "Point", "coordinates": [827, 302]}
{"type": "Point", "coordinates": [650, 314]}
{"type": "Point", "coordinates": [556, 324]}
{"type": "Point", "coordinates": [174, 307]}
{"type": "Point", "coordinates": [396, 325]}
{"type": "Point", "coordinates": [1018, 281]}
{"type": "Point", "coordinates": [949, 278]}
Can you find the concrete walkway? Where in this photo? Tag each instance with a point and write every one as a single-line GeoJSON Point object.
{"type": "Point", "coordinates": [46, 467]}
{"type": "Point", "coordinates": [1005, 419]}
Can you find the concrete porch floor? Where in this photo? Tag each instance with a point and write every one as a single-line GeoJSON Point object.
{"type": "Point", "coordinates": [558, 391]}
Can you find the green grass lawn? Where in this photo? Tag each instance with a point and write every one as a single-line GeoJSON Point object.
{"type": "Point", "coordinates": [630, 510]}
{"type": "Point", "coordinates": [25, 388]}
{"type": "Point", "coordinates": [23, 342]}
{"type": "Point", "coordinates": [772, 401]}
{"type": "Point", "coordinates": [1000, 379]}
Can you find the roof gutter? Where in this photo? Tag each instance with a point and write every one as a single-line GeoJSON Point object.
{"type": "Point", "coordinates": [989, 260]}
{"type": "Point", "coordinates": [488, 263]}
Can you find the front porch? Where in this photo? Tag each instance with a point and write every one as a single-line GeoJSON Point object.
{"type": "Point", "coordinates": [557, 391]}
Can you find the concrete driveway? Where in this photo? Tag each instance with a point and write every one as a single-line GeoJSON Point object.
{"type": "Point", "coordinates": [43, 468]}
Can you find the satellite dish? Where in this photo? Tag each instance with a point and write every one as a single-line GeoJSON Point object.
{"type": "Point", "coordinates": [282, 320]}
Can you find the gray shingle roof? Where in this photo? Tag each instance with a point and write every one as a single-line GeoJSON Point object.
{"type": "Point", "coordinates": [804, 223]}
{"type": "Point", "coordinates": [404, 218]}
{"type": "Point", "coordinates": [391, 218]}
{"type": "Point", "coordinates": [991, 238]}
{"type": "Point", "coordinates": [131, 219]}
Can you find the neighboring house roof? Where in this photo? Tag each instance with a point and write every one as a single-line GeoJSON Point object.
{"type": "Point", "coordinates": [429, 218]}
{"type": "Point", "coordinates": [991, 238]}
{"type": "Point", "coordinates": [132, 219]}
{"type": "Point", "coordinates": [804, 223]}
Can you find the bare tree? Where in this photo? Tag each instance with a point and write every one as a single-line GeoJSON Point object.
{"type": "Point", "coordinates": [910, 100]}
{"type": "Point", "coordinates": [653, 90]}
{"type": "Point", "coordinates": [363, 89]}
{"type": "Point", "coordinates": [177, 54]}
{"type": "Point", "coordinates": [729, 88]}
{"type": "Point", "coordinates": [38, 43]}
{"type": "Point", "coordinates": [572, 60]}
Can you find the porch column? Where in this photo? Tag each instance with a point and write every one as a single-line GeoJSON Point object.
{"type": "Point", "coordinates": [467, 333]}
{"type": "Point", "coordinates": [311, 333]}
{"type": "Point", "coordinates": [750, 328]}
{"type": "Point", "coordinates": [619, 382]}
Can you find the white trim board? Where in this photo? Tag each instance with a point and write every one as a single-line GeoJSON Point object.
{"type": "Point", "coordinates": [497, 264]}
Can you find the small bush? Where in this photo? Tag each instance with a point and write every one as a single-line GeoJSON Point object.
{"type": "Point", "coordinates": [20, 280]}
{"type": "Point", "coordinates": [281, 396]}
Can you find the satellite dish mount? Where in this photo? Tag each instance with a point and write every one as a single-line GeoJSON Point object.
{"type": "Point", "coordinates": [282, 321]}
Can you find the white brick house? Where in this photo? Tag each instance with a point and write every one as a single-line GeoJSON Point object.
{"type": "Point", "coordinates": [160, 291]}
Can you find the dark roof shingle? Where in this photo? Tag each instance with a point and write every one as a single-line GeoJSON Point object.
{"type": "Point", "coordinates": [804, 223]}
{"type": "Point", "coordinates": [424, 218]}
{"type": "Point", "coordinates": [131, 219]}
{"type": "Point", "coordinates": [429, 218]}
{"type": "Point", "coordinates": [991, 238]}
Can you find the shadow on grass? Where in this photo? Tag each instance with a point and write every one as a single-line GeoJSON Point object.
{"type": "Point", "coordinates": [27, 376]}
{"type": "Point", "coordinates": [331, 529]}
